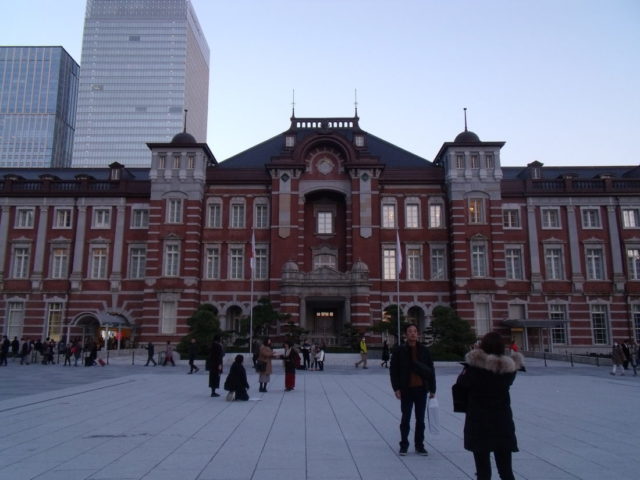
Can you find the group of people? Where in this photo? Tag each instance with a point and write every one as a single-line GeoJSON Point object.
{"type": "Point", "coordinates": [47, 352]}
{"type": "Point", "coordinates": [623, 356]}
{"type": "Point", "coordinates": [483, 386]}
{"type": "Point", "coordinates": [312, 356]}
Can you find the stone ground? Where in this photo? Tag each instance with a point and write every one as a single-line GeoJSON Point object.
{"type": "Point", "coordinates": [125, 421]}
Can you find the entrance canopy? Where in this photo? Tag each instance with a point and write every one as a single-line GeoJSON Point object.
{"type": "Point", "coordinates": [111, 320]}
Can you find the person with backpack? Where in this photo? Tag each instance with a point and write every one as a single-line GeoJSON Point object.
{"type": "Point", "coordinates": [291, 361]}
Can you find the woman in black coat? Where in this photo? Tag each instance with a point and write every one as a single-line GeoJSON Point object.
{"type": "Point", "coordinates": [214, 364]}
{"type": "Point", "coordinates": [488, 426]}
{"type": "Point", "coordinates": [237, 379]}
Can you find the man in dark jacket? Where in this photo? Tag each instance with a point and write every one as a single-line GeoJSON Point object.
{"type": "Point", "coordinates": [412, 376]}
{"type": "Point", "coordinates": [193, 353]}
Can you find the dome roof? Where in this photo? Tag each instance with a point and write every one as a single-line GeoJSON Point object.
{"type": "Point", "coordinates": [184, 138]}
{"type": "Point", "coordinates": [360, 267]}
{"type": "Point", "coordinates": [467, 137]}
{"type": "Point", "coordinates": [290, 266]}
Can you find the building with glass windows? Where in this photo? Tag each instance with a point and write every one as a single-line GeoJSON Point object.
{"type": "Point", "coordinates": [336, 227]}
{"type": "Point", "coordinates": [144, 62]}
{"type": "Point", "coordinates": [38, 94]}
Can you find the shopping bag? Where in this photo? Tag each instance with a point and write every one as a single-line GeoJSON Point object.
{"type": "Point", "coordinates": [231, 396]}
{"type": "Point", "coordinates": [433, 415]}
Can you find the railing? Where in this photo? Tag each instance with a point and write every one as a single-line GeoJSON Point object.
{"type": "Point", "coordinates": [571, 186]}
{"type": "Point", "coordinates": [76, 187]}
{"type": "Point", "coordinates": [571, 358]}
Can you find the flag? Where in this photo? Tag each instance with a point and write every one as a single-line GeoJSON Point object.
{"type": "Point", "coordinates": [252, 261]}
{"type": "Point", "coordinates": [398, 254]}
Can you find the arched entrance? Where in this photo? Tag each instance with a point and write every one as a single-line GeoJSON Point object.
{"type": "Point", "coordinates": [106, 329]}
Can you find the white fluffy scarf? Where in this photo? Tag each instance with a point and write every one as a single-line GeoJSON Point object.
{"type": "Point", "coordinates": [494, 363]}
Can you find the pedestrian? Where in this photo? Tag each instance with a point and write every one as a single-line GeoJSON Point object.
{"type": "Point", "coordinates": [513, 346]}
{"type": "Point", "coordinates": [627, 355]}
{"type": "Point", "coordinates": [67, 355]}
{"type": "Point", "coordinates": [193, 353]}
{"type": "Point", "coordinates": [168, 355]}
{"type": "Point", "coordinates": [291, 360]}
{"type": "Point", "coordinates": [363, 353]}
{"type": "Point", "coordinates": [15, 348]}
{"type": "Point", "coordinates": [617, 358]}
{"type": "Point", "coordinates": [412, 378]}
{"type": "Point", "coordinates": [76, 351]}
{"type": "Point", "coordinates": [237, 379]}
{"type": "Point", "coordinates": [306, 354]}
{"type": "Point", "coordinates": [216, 354]}
{"type": "Point", "coordinates": [488, 427]}
{"type": "Point", "coordinates": [24, 352]}
{"type": "Point", "coordinates": [633, 347]}
{"type": "Point", "coordinates": [385, 355]}
{"type": "Point", "coordinates": [151, 350]}
{"type": "Point", "coordinates": [320, 357]}
{"type": "Point", "coordinates": [37, 350]}
{"type": "Point", "coordinates": [4, 350]}
{"type": "Point", "coordinates": [266, 355]}
{"type": "Point", "coordinates": [315, 351]}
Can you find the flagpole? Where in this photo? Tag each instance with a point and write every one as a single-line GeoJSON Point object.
{"type": "Point", "coordinates": [253, 268]}
{"type": "Point", "coordinates": [398, 269]}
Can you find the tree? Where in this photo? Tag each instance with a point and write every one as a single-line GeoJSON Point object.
{"type": "Point", "coordinates": [265, 317]}
{"type": "Point", "coordinates": [389, 323]}
{"type": "Point", "coordinates": [203, 326]}
{"type": "Point", "coordinates": [452, 335]}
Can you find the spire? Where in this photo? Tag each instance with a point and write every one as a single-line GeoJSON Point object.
{"type": "Point", "coordinates": [185, 121]}
{"type": "Point", "coordinates": [293, 104]}
{"type": "Point", "coordinates": [355, 102]}
{"type": "Point", "coordinates": [465, 119]}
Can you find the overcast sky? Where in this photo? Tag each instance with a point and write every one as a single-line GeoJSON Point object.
{"type": "Point", "coordinates": [558, 80]}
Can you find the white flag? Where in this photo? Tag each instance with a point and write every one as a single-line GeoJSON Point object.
{"type": "Point", "coordinates": [252, 261]}
{"type": "Point", "coordinates": [398, 254]}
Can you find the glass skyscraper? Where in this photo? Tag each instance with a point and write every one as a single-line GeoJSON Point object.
{"type": "Point", "coordinates": [143, 63]}
{"type": "Point", "coordinates": [38, 94]}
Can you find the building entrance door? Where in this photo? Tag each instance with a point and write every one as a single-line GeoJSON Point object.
{"type": "Point", "coordinates": [325, 320]}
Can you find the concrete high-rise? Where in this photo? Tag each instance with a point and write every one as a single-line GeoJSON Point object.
{"type": "Point", "coordinates": [38, 94]}
{"type": "Point", "coordinates": [143, 63]}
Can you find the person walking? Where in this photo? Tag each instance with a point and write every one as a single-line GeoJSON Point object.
{"type": "Point", "coordinates": [265, 356]}
{"type": "Point", "coordinates": [627, 355]}
{"type": "Point", "coordinates": [633, 348]}
{"type": "Point", "coordinates": [363, 353]}
{"type": "Point", "coordinates": [193, 353]}
{"type": "Point", "coordinates": [385, 355]}
{"type": "Point", "coordinates": [236, 381]}
{"type": "Point", "coordinates": [15, 348]}
{"type": "Point", "coordinates": [168, 355]}
{"type": "Point", "coordinates": [67, 355]}
{"type": "Point", "coordinates": [4, 350]}
{"type": "Point", "coordinates": [77, 352]}
{"type": "Point", "coordinates": [412, 378]}
{"type": "Point", "coordinates": [24, 352]}
{"type": "Point", "coordinates": [488, 427]}
{"type": "Point", "coordinates": [617, 358]}
{"type": "Point", "coordinates": [291, 360]}
{"type": "Point", "coordinates": [151, 350]}
{"type": "Point", "coordinates": [216, 355]}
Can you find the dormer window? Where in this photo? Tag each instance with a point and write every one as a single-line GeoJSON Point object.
{"type": "Point", "coordinates": [290, 141]}
{"type": "Point", "coordinates": [359, 140]}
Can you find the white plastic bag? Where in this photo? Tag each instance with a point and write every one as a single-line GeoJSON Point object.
{"type": "Point", "coordinates": [433, 415]}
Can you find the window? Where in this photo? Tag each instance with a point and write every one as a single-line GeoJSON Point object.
{"type": "Point", "coordinates": [24, 217]}
{"type": "Point", "coordinates": [168, 317]}
{"type": "Point", "coordinates": [62, 218]}
{"type": "Point", "coordinates": [558, 315]}
{"type": "Point", "coordinates": [325, 260]}
{"type": "Point", "coordinates": [595, 263]}
{"type": "Point", "coordinates": [460, 161]}
{"type": "Point", "coordinates": [635, 314]}
{"type": "Point", "coordinates": [236, 264]}
{"type": "Point", "coordinates": [438, 265]}
{"type": "Point", "coordinates": [137, 262]}
{"type": "Point", "coordinates": [414, 263]}
{"type": "Point", "coordinates": [325, 223]}
{"type": "Point", "coordinates": [172, 260]}
{"type": "Point", "coordinates": [102, 217]}
{"type": "Point", "coordinates": [212, 263]}
{"type": "Point", "coordinates": [262, 215]}
{"type": "Point", "coordinates": [631, 217]}
{"type": "Point", "coordinates": [388, 215]}
{"type": "Point", "coordinates": [476, 210]}
{"type": "Point", "coordinates": [162, 161]}
{"type": "Point", "coordinates": [59, 262]}
{"type": "Point", "coordinates": [550, 218]}
{"type": "Point", "coordinates": [513, 264]}
{"type": "Point", "coordinates": [591, 218]}
{"type": "Point", "coordinates": [54, 320]}
{"type": "Point", "coordinates": [483, 318]}
{"type": "Point", "coordinates": [389, 267]}
{"type": "Point", "coordinates": [20, 264]}
{"type": "Point", "coordinates": [214, 214]}
{"type": "Point", "coordinates": [553, 263]}
{"type": "Point", "coordinates": [191, 162]}
{"type": "Point", "coordinates": [478, 260]}
{"type": "Point", "coordinates": [633, 263]}
{"type": "Point", "coordinates": [261, 264]}
{"type": "Point", "coordinates": [475, 161]}
{"type": "Point", "coordinates": [237, 215]}
{"type": "Point", "coordinates": [600, 324]}
{"type": "Point", "coordinates": [511, 218]}
{"type": "Point", "coordinates": [176, 161]}
{"type": "Point", "coordinates": [174, 210]}
{"type": "Point", "coordinates": [517, 311]}
{"type": "Point", "coordinates": [15, 319]}
{"type": "Point", "coordinates": [140, 218]}
{"type": "Point", "coordinates": [412, 215]}
{"type": "Point", "coordinates": [489, 160]}
{"type": "Point", "coordinates": [98, 263]}
{"type": "Point", "coordinates": [436, 215]}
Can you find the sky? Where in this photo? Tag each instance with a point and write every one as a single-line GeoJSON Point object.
{"type": "Point", "coordinates": [557, 80]}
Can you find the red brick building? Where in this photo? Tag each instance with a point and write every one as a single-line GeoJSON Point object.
{"type": "Point", "coordinates": [550, 255]}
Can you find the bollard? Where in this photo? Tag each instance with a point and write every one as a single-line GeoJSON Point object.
{"type": "Point", "coordinates": [107, 356]}
{"type": "Point", "coordinates": [133, 356]}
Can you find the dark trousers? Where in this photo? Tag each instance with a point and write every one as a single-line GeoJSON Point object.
{"type": "Point", "coordinates": [410, 397]}
{"type": "Point", "coordinates": [150, 359]}
{"type": "Point", "coordinates": [503, 462]}
{"type": "Point", "coordinates": [192, 365]}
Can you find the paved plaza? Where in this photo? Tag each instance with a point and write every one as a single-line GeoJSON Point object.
{"type": "Point", "coordinates": [128, 421]}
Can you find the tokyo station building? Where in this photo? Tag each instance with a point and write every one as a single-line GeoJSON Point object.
{"type": "Point", "coordinates": [547, 255]}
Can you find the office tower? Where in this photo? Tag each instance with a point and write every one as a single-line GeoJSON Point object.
{"type": "Point", "coordinates": [143, 63]}
{"type": "Point", "coordinates": [38, 94]}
